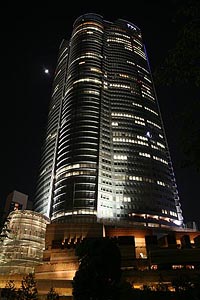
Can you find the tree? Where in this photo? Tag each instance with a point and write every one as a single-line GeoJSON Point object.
{"type": "Point", "coordinates": [52, 295]}
{"type": "Point", "coordinates": [125, 291]}
{"type": "Point", "coordinates": [180, 68]}
{"type": "Point", "coordinates": [161, 286]}
{"type": "Point", "coordinates": [185, 287]}
{"type": "Point", "coordinates": [99, 272]}
{"type": "Point", "coordinates": [9, 292]}
{"type": "Point", "coordinates": [28, 290]}
{"type": "Point", "coordinates": [1, 219]}
{"type": "Point", "coordinates": [4, 229]}
{"type": "Point", "coordinates": [181, 65]}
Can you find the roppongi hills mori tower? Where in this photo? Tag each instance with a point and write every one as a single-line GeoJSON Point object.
{"type": "Point", "coordinates": [105, 156]}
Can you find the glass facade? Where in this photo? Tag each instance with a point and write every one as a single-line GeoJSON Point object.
{"type": "Point", "coordinates": [106, 155]}
{"type": "Point", "coordinates": [24, 242]}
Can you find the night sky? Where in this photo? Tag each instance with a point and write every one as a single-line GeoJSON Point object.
{"type": "Point", "coordinates": [30, 40]}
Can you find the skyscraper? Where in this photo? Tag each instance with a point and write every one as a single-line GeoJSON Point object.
{"type": "Point", "coordinates": [105, 156]}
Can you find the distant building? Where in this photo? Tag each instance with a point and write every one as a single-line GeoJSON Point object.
{"type": "Point", "coordinates": [16, 201]}
{"type": "Point", "coordinates": [192, 225]}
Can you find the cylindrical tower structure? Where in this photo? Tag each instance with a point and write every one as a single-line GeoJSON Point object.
{"type": "Point", "coordinates": [24, 242]}
{"type": "Point", "coordinates": [105, 155]}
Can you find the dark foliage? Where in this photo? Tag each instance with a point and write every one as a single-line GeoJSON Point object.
{"type": "Point", "coordinates": [4, 228]}
{"type": "Point", "coordinates": [9, 292]}
{"type": "Point", "coordinates": [181, 69]}
{"type": "Point", "coordinates": [182, 64]}
{"type": "Point", "coordinates": [99, 271]}
{"type": "Point", "coordinates": [52, 295]}
{"type": "Point", "coordinates": [28, 290]}
{"type": "Point", "coordinates": [186, 288]}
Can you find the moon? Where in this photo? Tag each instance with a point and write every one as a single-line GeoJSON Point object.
{"type": "Point", "coordinates": [46, 71]}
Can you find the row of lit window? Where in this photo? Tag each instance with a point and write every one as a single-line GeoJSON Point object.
{"type": "Point", "coordinates": [172, 213]}
{"type": "Point", "coordinates": [90, 23]}
{"type": "Point", "coordinates": [138, 42]}
{"type": "Point", "coordinates": [63, 51]}
{"type": "Point", "coordinates": [117, 85]}
{"type": "Point", "coordinates": [128, 48]}
{"type": "Point", "coordinates": [84, 29]}
{"type": "Point", "coordinates": [127, 76]}
{"type": "Point", "coordinates": [146, 88]}
{"type": "Point", "coordinates": [51, 136]}
{"type": "Point", "coordinates": [130, 62]}
{"type": "Point", "coordinates": [142, 138]}
{"type": "Point", "coordinates": [61, 60]}
{"type": "Point", "coordinates": [139, 52]}
{"type": "Point", "coordinates": [151, 110]}
{"type": "Point", "coordinates": [139, 105]}
{"type": "Point", "coordinates": [125, 42]}
{"type": "Point", "coordinates": [125, 206]}
{"type": "Point", "coordinates": [161, 183]}
{"type": "Point", "coordinates": [121, 34]}
{"type": "Point", "coordinates": [160, 159]}
{"type": "Point", "coordinates": [125, 134]}
{"type": "Point", "coordinates": [114, 114]}
{"type": "Point", "coordinates": [147, 79]}
{"type": "Point", "coordinates": [124, 199]}
{"type": "Point", "coordinates": [154, 124]}
{"type": "Point", "coordinates": [154, 147]}
{"type": "Point", "coordinates": [120, 157]}
{"type": "Point", "coordinates": [93, 92]}
{"type": "Point", "coordinates": [125, 140]}
{"type": "Point", "coordinates": [136, 104]}
{"type": "Point", "coordinates": [161, 145]}
{"type": "Point", "coordinates": [138, 120]}
{"type": "Point", "coordinates": [95, 80]}
{"type": "Point", "coordinates": [55, 89]}
{"type": "Point", "coordinates": [140, 123]}
{"type": "Point", "coordinates": [77, 173]}
{"type": "Point", "coordinates": [75, 212]}
{"type": "Point", "coordinates": [87, 55]}
{"type": "Point", "coordinates": [154, 217]}
{"type": "Point", "coordinates": [46, 169]}
{"type": "Point", "coordinates": [144, 154]}
{"type": "Point", "coordinates": [139, 178]}
{"type": "Point", "coordinates": [114, 123]}
{"type": "Point", "coordinates": [105, 212]}
{"type": "Point", "coordinates": [96, 70]}
{"type": "Point", "coordinates": [144, 216]}
{"type": "Point", "coordinates": [144, 94]}
{"type": "Point", "coordinates": [76, 166]}
{"type": "Point", "coordinates": [145, 70]}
